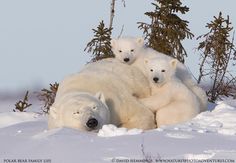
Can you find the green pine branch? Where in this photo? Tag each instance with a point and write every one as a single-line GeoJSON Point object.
{"type": "Point", "coordinates": [167, 30]}
{"type": "Point", "coordinates": [100, 46]}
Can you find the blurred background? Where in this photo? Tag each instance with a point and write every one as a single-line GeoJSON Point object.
{"type": "Point", "coordinates": [43, 41]}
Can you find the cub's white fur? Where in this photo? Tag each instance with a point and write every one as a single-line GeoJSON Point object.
{"type": "Point", "coordinates": [171, 100]}
{"type": "Point", "coordinates": [132, 51]}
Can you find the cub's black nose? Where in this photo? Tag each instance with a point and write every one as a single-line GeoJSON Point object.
{"type": "Point", "coordinates": [92, 123]}
{"type": "Point", "coordinates": [155, 79]}
{"type": "Point", "coordinates": [126, 59]}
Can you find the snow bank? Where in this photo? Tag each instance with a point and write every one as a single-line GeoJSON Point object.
{"type": "Point", "coordinates": [11, 118]}
{"type": "Point", "coordinates": [111, 130]}
{"type": "Point", "coordinates": [221, 120]}
{"type": "Point", "coordinates": [208, 136]}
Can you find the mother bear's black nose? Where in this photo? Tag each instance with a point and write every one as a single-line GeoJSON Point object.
{"type": "Point", "coordinates": [92, 123]}
{"type": "Point", "coordinates": [155, 79]}
{"type": "Point", "coordinates": [126, 59]}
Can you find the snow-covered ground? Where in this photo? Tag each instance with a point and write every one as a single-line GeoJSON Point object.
{"type": "Point", "coordinates": [211, 136]}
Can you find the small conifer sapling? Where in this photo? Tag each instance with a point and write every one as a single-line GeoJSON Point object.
{"type": "Point", "coordinates": [166, 29]}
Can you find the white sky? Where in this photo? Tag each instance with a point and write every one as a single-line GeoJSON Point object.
{"type": "Point", "coordinates": [41, 41]}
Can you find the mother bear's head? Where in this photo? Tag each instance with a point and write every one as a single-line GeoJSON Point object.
{"type": "Point", "coordinates": [80, 110]}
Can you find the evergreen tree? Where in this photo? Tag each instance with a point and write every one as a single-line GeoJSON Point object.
{"type": "Point", "coordinates": [22, 105]}
{"type": "Point", "coordinates": [167, 30]}
{"type": "Point", "coordinates": [217, 54]}
{"type": "Point", "coordinates": [47, 96]}
{"type": "Point", "coordinates": [100, 46]}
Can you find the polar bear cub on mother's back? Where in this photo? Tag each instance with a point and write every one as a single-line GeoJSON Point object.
{"type": "Point", "coordinates": [128, 49]}
{"type": "Point", "coordinates": [170, 99]}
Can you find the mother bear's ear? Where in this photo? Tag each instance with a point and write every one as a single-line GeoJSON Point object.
{"type": "Point", "coordinates": [101, 97]}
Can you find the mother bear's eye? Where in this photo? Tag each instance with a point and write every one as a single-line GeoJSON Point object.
{"type": "Point", "coordinates": [132, 50]}
{"type": "Point", "coordinates": [120, 51]}
{"type": "Point", "coordinates": [163, 70]}
{"type": "Point", "coordinates": [76, 112]}
{"type": "Point", "coordinates": [151, 70]}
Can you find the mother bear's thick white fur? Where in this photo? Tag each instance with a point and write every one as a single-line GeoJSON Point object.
{"type": "Point", "coordinates": [120, 84]}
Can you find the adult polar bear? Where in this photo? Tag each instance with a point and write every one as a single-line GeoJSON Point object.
{"type": "Point", "coordinates": [131, 51]}
{"type": "Point", "coordinates": [119, 83]}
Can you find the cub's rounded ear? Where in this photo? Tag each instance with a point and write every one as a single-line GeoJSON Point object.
{"type": "Point", "coordinates": [53, 112]}
{"type": "Point", "coordinates": [173, 63]}
{"type": "Point", "coordinates": [140, 41]}
{"type": "Point", "coordinates": [113, 43]}
{"type": "Point", "coordinates": [101, 97]}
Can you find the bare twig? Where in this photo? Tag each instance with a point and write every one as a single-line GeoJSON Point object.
{"type": "Point", "coordinates": [201, 69]}
{"type": "Point", "coordinates": [147, 156]}
{"type": "Point", "coordinates": [122, 30]}
{"type": "Point", "coordinates": [123, 1]}
{"type": "Point", "coordinates": [112, 13]}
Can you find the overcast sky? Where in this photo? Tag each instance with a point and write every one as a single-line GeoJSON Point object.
{"type": "Point", "coordinates": [41, 41]}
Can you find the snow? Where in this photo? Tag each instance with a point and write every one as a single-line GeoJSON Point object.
{"type": "Point", "coordinates": [222, 120]}
{"type": "Point", "coordinates": [11, 118]}
{"type": "Point", "coordinates": [210, 135]}
{"type": "Point", "coordinates": [111, 130]}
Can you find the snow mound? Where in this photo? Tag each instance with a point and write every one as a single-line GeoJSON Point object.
{"type": "Point", "coordinates": [111, 130]}
{"type": "Point", "coordinates": [25, 135]}
{"type": "Point", "coordinates": [220, 120]}
{"type": "Point", "coordinates": [11, 118]}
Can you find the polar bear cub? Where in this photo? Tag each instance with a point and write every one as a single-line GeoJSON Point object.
{"type": "Point", "coordinates": [132, 51]}
{"type": "Point", "coordinates": [170, 99]}
{"type": "Point", "coordinates": [127, 49]}
{"type": "Point", "coordinates": [80, 110]}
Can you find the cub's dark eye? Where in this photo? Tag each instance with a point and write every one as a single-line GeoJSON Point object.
{"type": "Point", "coordinates": [163, 70]}
{"type": "Point", "coordinates": [132, 50]}
{"type": "Point", "coordinates": [120, 51]}
{"type": "Point", "coordinates": [76, 112]}
{"type": "Point", "coordinates": [95, 107]}
{"type": "Point", "coordinates": [151, 70]}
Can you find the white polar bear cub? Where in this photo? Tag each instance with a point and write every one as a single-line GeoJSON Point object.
{"type": "Point", "coordinates": [132, 51]}
{"type": "Point", "coordinates": [171, 100]}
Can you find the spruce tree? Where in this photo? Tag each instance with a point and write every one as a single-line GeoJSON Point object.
{"type": "Point", "coordinates": [47, 96]}
{"type": "Point", "coordinates": [217, 54]}
{"type": "Point", "coordinates": [100, 45]}
{"type": "Point", "coordinates": [167, 30]}
{"type": "Point", "coordinates": [22, 105]}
